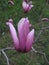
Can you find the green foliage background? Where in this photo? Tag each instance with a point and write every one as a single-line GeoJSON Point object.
{"type": "Point", "coordinates": [39, 11]}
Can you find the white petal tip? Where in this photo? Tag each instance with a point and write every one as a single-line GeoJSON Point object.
{"type": "Point", "coordinates": [32, 5]}
{"type": "Point", "coordinates": [7, 23]}
{"type": "Point", "coordinates": [27, 18]}
{"type": "Point", "coordinates": [10, 19]}
{"type": "Point", "coordinates": [33, 30]}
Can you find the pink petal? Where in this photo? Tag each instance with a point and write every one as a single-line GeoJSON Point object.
{"type": "Point", "coordinates": [26, 27]}
{"type": "Point", "coordinates": [30, 25]}
{"type": "Point", "coordinates": [20, 24]}
{"type": "Point", "coordinates": [30, 7]}
{"type": "Point", "coordinates": [14, 35]}
{"type": "Point", "coordinates": [30, 3]}
{"type": "Point", "coordinates": [25, 6]}
{"type": "Point", "coordinates": [10, 20]}
{"type": "Point", "coordinates": [23, 30]}
{"type": "Point", "coordinates": [30, 40]}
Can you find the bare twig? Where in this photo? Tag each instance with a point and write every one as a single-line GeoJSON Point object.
{"type": "Point", "coordinates": [45, 27]}
{"type": "Point", "coordinates": [42, 53]}
{"type": "Point", "coordinates": [8, 48]}
{"type": "Point", "coordinates": [38, 35]}
{"type": "Point", "coordinates": [3, 52]}
{"type": "Point", "coordinates": [40, 32]}
{"type": "Point", "coordinates": [5, 57]}
{"type": "Point", "coordinates": [46, 58]}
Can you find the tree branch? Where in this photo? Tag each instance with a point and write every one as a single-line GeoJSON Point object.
{"type": "Point", "coordinates": [8, 48]}
{"type": "Point", "coordinates": [40, 32]}
{"type": "Point", "coordinates": [3, 52]}
{"type": "Point", "coordinates": [5, 57]}
{"type": "Point", "coordinates": [42, 53]}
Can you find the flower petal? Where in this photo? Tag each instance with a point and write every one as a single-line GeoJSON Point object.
{"type": "Point", "coordinates": [23, 30]}
{"type": "Point", "coordinates": [25, 6]}
{"type": "Point", "coordinates": [20, 24]}
{"type": "Point", "coordinates": [30, 7]}
{"type": "Point", "coordinates": [14, 35]}
{"type": "Point", "coordinates": [30, 40]}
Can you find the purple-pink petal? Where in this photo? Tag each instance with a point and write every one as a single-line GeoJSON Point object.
{"type": "Point", "coordinates": [30, 7]}
{"type": "Point", "coordinates": [13, 35]}
{"type": "Point", "coordinates": [23, 30]}
{"type": "Point", "coordinates": [25, 6]}
{"type": "Point", "coordinates": [30, 40]}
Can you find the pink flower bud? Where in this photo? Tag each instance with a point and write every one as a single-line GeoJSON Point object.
{"type": "Point", "coordinates": [27, 6]}
{"type": "Point", "coordinates": [25, 38]}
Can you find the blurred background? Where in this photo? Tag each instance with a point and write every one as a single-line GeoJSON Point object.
{"type": "Point", "coordinates": [39, 11]}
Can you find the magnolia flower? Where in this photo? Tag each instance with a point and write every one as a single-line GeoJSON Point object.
{"type": "Point", "coordinates": [25, 38]}
{"type": "Point", "coordinates": [27, 6]}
